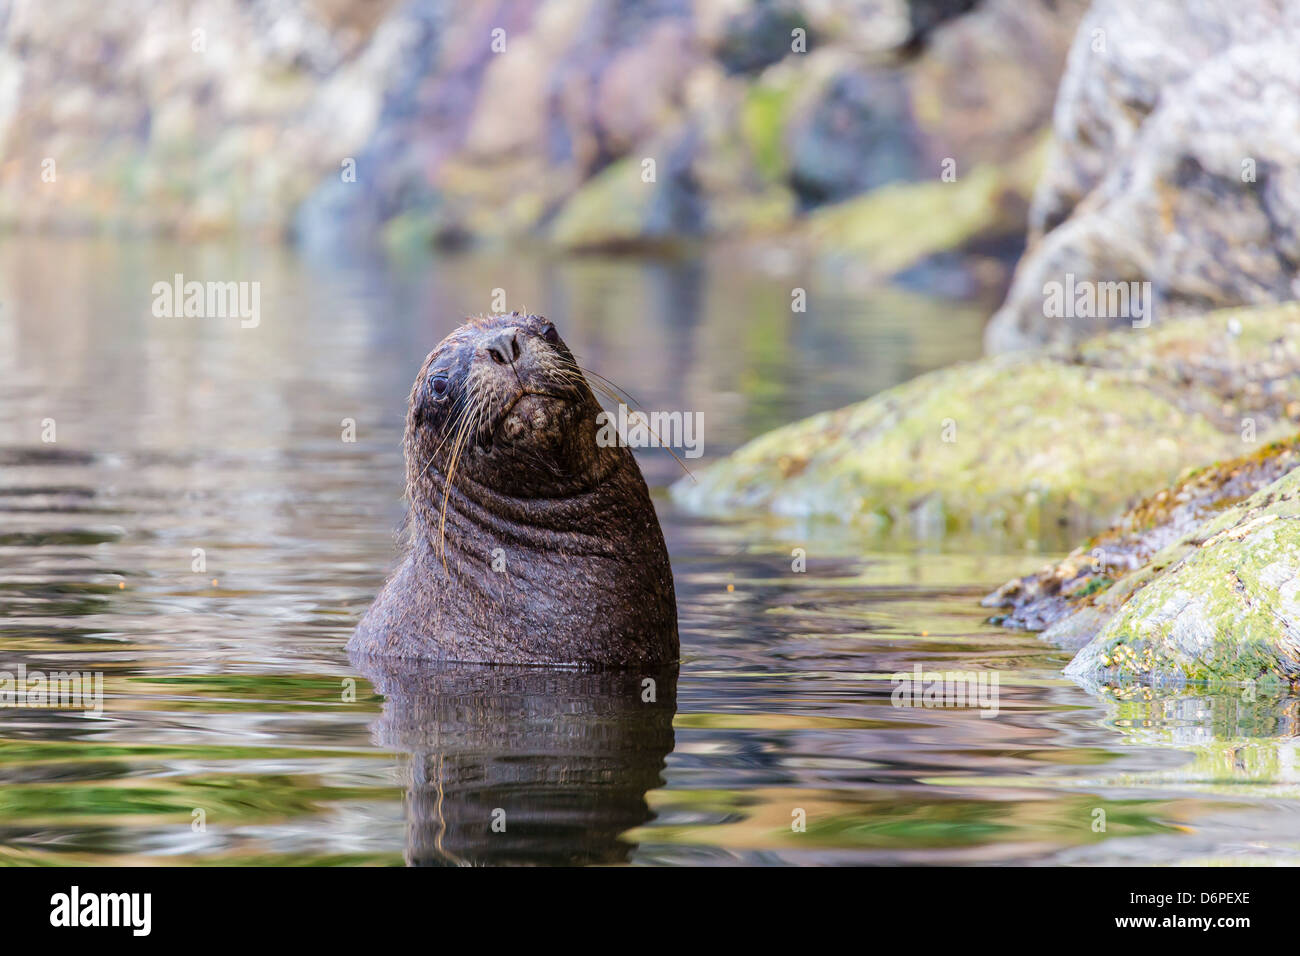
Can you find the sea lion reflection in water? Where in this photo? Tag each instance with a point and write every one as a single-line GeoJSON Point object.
{"type": "Point", "coordinates": [523, 765]}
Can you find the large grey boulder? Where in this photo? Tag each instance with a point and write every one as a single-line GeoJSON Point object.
{"type": "Point", "coordinates": [1176, 162]}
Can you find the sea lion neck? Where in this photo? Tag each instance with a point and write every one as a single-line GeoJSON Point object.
{"type": "Point", "coordinates": [570, 516]}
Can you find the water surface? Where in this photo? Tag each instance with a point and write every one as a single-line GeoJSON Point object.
{"type": "Point", "coordinates": [235, 730]}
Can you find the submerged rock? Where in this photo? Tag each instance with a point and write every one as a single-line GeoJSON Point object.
{"type": "Point", "coordinates": [1020, 441]}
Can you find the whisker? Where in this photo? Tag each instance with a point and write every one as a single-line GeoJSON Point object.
{"type": "Point", "coordinates": [609, 393]}
{"type": "Point", "coordinates": [617, 388]}
{"type": "Point", "coordinates": [459, 409]}
{"type": "Point", "coordinates": [446, 489]}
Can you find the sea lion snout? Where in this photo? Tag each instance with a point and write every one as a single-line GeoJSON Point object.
{"type": "Point", "coordinates": [516, 357]}
{"type": "Point", "coordinates": [522, 379]}
{"type": "Point", "coordinates": [509, 358]}
{"type": "Point", "coordinates": [503, 346]}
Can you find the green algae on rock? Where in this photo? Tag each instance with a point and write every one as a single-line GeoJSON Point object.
{"type": "Point", "coordinates": [897, 226]}
{"type": "Point", "coordinates": [1198, 582]}
{"type": "Point", "coordinates": [1222, 604]}
{"type": "Point", "coordinates": [614, 208]}
{"type": "Point", "coordinates": [1016, 441]}
{"type": "Point", "coordinates": [1071, 598]}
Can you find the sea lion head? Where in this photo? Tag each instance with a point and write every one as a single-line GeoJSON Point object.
{"type": "Point", "coordinates": [502, 406]}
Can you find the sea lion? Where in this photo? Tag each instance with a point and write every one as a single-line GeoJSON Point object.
{"type": "Point", "coordinates": [528, 541]}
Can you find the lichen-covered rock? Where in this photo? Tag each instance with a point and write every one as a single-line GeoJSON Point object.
{"type": "Point", "coordinates": [1200, 581]}
{"type": "Point", "coordinates": [1022, 440]}
{"type": "Point", "coordinates": [1222, 604]}
{"type": "Point", "coordinates": [1176, 163]}
{"type": "Point", "coordinates": [1072, 598]}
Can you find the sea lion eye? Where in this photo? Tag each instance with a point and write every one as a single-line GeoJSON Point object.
{"type": "Point", "coordinates": [550, 334]}
{"type": "Point", "coordinates": [439, 384]}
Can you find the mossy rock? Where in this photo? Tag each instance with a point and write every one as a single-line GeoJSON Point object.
{"type": "Point", "coordinates": [611, 208]}
{"type": "Point", "coordinates": [1015, 441]}
{"type": "Point", "coordinates": [763, 119]}
{"type": "Point", "coordinates": [1220, 605]}
{"type": "Point", "coordinates": [899, 225]}
{"type": "Point", "coordinates": [1073, 597]}
{"type": "Point", "coordinates": [1199, 582]}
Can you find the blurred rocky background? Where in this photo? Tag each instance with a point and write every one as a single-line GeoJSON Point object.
{"type": "Point", "coordinates": [971, 151]}
{"type": "Point", "coordinates": [925, 141]}
{"type": "Point", "coordinates": [825, 125]}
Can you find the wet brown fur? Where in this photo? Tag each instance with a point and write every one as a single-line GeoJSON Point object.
{"type": "Point", "coordinates": [504, 466]}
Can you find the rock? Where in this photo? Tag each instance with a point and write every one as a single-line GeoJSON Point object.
{"type": "Point", "coordinates": [973, 94]}
{"type": "Point", "coordinates": [986, 79]}
{"type": "Point", "coordinates": [1222, 603]}
{"type": "Point", "coordinates": [854, 134]}
{"type": "Point", "coordinates": [640, 90]}
{"type": "Point", "coordinates": [759, 35]}
{"type": "Point", "coordinates": [1028, 440]}
{"type": "Point", "coordinates": [618, 208]}
{"type": "Point", "coordinates": [874, 28]}
{"type": "Point", "coordinates": [1198, 582]}
{"type": "Point", "coordinates": [894, 162]}
{"type": "Point", "coordinates": [427, 121]}
{"type": "Point", "coordinates": [1175, 164]}
{"type": "Point", "coordinates": [925, 15]}
{"type": "Point", "coordinates": [898, 227]}
{"type": "Point", "coordinates": [1072, 598]}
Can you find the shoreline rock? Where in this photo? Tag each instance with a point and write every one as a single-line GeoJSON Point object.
{"type": "Point", "coordinates": [1200, 582]}
{"type": "Point", "coordinates": [1219, 604]}
{"type": "Point", "coordinates": [1072, 597]}
{"type": "Point", "coordinates": [1018, 441]}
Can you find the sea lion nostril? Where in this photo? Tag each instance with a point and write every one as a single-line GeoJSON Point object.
{"type": "Point", "coordinates": [504, 348]}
